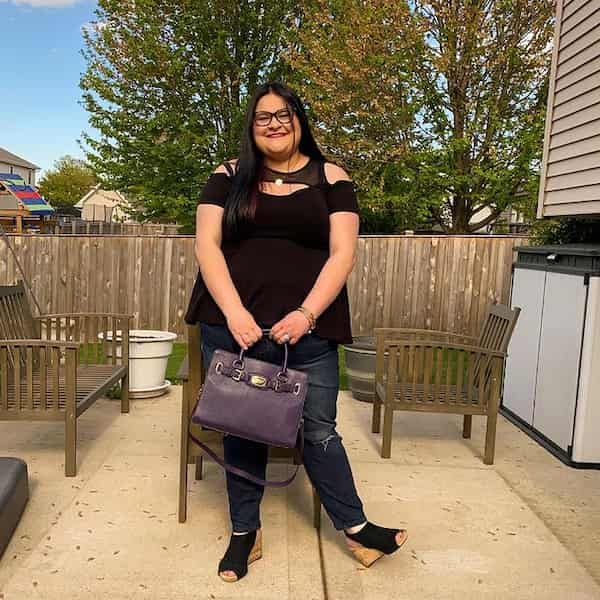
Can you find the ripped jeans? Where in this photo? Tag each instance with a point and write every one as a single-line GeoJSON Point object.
{"type": "Point", "coordinates": [324, 457]}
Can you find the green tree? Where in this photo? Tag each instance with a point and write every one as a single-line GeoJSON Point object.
{"type": "Point", "coordinates": [351, 64]}
{"type": "Point", "coordinates": [67, 181]}
{"type": "Point", "coordinates": [484, 78]}
{"type": "Point", "coordinates": [436, 106]}
{"type": "Point", "coordinates": [166, 87]}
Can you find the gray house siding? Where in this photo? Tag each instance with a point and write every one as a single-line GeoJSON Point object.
{"type": "Point", "coordinates": [27, 174]}
{"type": "Point", "coordinates": [570, 178]}
{"type": "Point", "coordinates": [11, 163]}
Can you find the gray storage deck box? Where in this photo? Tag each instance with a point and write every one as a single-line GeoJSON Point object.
{"type": "Point", "coordinates": [552, 380]}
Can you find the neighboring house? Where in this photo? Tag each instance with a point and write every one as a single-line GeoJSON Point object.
{"type": "Point", "coordinates": [105, 205]}
{"type": "Point", "coordinates": [510, 220]}
{"type": "Point", "coordinates": [15, 165]}
{"type": "Point", "coordinates": [570, 180]}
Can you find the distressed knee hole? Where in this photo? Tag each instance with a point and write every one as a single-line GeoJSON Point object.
{"type": "Point", "coordinates": [323, 441]}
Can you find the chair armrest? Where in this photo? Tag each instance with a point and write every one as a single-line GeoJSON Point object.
{"type": "Point", "coordinates": [443, 345]}
{"type": "Point", "coordinates": [408, 348]}
{"type": "Point", "coordinates": [85, 327]}
{"type": "Point", "coordinates": [407, 333]}
{"type": "Point", "coordinates": [36, 343]}
{"type": "Point", "coordinates": [84, 314]}
{"type": "Point", "coordinates": [385, 337]}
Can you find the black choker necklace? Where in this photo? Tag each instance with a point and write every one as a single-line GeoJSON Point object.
{"type": "Point", "coordinates": [279, 180]}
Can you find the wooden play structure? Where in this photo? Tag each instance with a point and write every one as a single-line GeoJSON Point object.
{"type": "Point", "coordinates": [21, 206]}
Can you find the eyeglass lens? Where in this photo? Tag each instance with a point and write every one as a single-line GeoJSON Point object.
{"type": "Point", "coordinates": [263, 118]}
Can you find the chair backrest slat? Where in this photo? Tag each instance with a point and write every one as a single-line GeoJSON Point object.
{"type": "Point", "coordinates": [16, 319]}
{"type": "Point", "coordinates": [15, 314]}
{"type": "Point", "coordinates": [497, 327]}
{"type": "Point", "coordinates": [495, 334]}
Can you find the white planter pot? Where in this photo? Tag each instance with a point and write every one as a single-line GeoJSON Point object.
{"type": "Point", "coordinates": [149, 352]}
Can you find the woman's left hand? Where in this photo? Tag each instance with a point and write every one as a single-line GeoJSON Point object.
{"type": "Point", "coordinates": [295, 324]}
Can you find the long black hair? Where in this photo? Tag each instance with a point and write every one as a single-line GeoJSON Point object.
{"type": "Point", "coordinates": [241, 203]}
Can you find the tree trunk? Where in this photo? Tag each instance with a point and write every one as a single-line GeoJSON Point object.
{"type": "Point", "coordinates": [460, 215]}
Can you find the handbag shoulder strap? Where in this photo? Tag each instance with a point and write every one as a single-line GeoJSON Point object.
{"type": "Point", "coordinates": [245, 474]}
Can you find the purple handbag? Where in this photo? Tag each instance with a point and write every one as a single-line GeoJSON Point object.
{"type": "Point", "coordinates": [255, 400]}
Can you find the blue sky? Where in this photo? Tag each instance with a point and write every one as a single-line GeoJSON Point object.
{"type": "Point", "coordinates": [40, 116]}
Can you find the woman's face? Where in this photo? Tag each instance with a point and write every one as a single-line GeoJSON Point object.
{"type": "Point", "coordinates": [276, 140]}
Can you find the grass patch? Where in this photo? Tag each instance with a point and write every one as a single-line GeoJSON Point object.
{"type": "Point", "coordinates": [176, 358]}
{"type": "Point", "coordinates": [92, 353]}
{"type": "Point", "coordinates": [342, 369]}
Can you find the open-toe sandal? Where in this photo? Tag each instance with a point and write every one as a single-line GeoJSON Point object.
{"type": "Point", "coordinates": [372, 542]}
{"type": "Point", "coordinates": [242, 551]}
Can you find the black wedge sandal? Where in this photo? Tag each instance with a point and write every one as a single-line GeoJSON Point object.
{"type": "Point", "coordinates": [242, 551]}
{"type": "Point", "coordinates": [372, 542]}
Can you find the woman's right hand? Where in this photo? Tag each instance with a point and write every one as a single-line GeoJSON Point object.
{"type": "Point", "coordinates": [243, 327]}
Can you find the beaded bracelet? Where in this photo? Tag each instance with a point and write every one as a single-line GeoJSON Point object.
{"type": "Point", "coordinates": [311, 318]}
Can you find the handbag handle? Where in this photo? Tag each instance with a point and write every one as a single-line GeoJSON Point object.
{"type": "Point", "coordinates": [238, 363]}
{"type": "Point", "coordinates": [245, 474]}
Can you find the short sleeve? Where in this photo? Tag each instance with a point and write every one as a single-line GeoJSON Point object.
{"type": "Point", "coordinates": [216, 190]}
{"type": "Point", "coordinates": [341, 196]}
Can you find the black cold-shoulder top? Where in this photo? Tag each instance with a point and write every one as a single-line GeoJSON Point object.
{"type": "Point", "coordinates": [277, 263]}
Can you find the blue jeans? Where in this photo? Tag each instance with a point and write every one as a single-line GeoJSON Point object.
{"type": "Point", "coordinates": [324, 456]}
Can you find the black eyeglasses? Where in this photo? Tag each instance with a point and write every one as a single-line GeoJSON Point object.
{"type": "Point", "coordinates": [264, 117]}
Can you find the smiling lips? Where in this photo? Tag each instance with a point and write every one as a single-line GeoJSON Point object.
{"type": "Point", "coordinates": [277, 135]}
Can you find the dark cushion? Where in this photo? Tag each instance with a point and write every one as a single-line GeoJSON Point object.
{"type": "Point", "coordinates": [14, 493]}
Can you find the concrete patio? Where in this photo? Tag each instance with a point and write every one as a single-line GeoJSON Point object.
{"type": "Point", "coordinates": [526, 527]}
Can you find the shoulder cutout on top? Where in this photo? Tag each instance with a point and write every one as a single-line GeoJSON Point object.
{"type": "Point", "coordinates": [333, 173]}
{"type": "Point", "coordinates": [223, 169]}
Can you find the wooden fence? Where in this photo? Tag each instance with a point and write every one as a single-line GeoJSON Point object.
{"type": "Point", "coordinates": [433, 282]}
{"type": "Point", "coordinates": [81, 227]}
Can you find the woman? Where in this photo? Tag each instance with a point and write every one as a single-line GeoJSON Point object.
{"type": "Point", "coordinates": [276, 232]}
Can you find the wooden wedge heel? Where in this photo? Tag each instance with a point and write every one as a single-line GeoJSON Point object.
{"type": "Point", "coordinates": [243, 550]}
{"type": "Point", "coordinates": [372, 542]}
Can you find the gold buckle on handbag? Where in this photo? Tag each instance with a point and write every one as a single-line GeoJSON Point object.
{"type": "Point", "coordinates": [258, 380]}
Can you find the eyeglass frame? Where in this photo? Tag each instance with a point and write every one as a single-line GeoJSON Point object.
{"type": "Point", "coordinates": [273, 114]}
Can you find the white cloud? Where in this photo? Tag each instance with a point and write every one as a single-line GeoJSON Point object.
{"type": "Point", "coordinates": [43, 3]}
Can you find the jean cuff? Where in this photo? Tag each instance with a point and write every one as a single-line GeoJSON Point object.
{"type": "Point", "coordinates": [240, 527]}
{"type": "Point", "coordinates": [349, 524]}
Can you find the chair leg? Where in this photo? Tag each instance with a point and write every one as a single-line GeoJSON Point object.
{"type": "Point", "coordinates": [388, 421]}
{"type": "Point", "coordinates": [376, 419]}
{"type": "Point", "coordinates": [184, 457]}
{"type": "Point", "coordinates": [467, 426]}
{"type": "Point", "coordinates": [492, 417]}
{"type": "Point", "coordinates": [125, 394]}
{"type": "Point", "coordinates": [490, 438]}
{"type": "Point", "coordinates": [183, 484]}
{"type": "Point", "coordinates": [316, 509]}
{"type": "Point", "coordinates": [70, 445]}
{"type": "Point", "coordinates": [199, 465]}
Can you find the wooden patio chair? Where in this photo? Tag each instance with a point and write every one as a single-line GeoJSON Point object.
{"type": "Point", "coordinates": [191, 373]}
{"type": "Point", "coordinates": [437, 371]}
{"type": "Point", "coordinates": [53, 367]}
